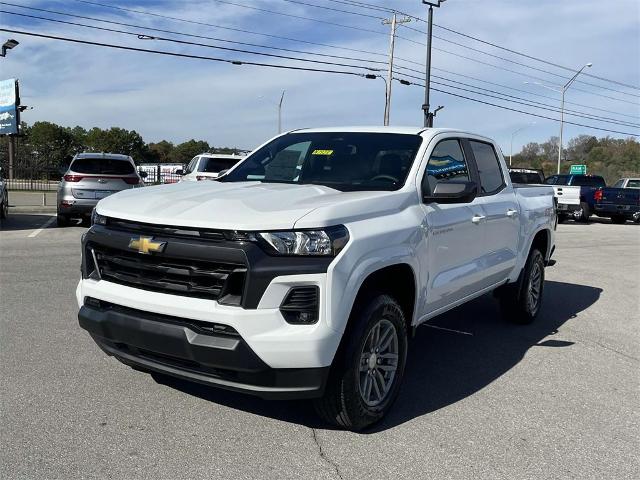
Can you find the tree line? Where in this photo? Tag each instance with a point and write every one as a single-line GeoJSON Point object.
{"type": "Point", "coordinates": [45, 147]}
{"type": "Point", "coordinates": [612, 158]}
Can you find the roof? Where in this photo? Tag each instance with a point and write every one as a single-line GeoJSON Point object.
{"type": "Point", "coordinates": [377, 129]}
{"type": "Point", "coordinates": [221, 155]}
{"type": "Point", "coordinates": [116, 156]}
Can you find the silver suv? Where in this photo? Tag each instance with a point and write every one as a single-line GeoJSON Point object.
{"type": "Point", "coordinates": [91, 177]}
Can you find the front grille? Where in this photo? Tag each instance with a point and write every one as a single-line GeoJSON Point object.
{"type": "Point", "coordinates": [161, 273]}
{"type": "Point", "coordinates": [165, 231]}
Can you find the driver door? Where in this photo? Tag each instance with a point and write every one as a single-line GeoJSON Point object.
{"type": "Point", "coordinates": [455, 232]}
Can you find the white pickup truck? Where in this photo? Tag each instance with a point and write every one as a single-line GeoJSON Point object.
{"type": "Point", "coordinates": [303, 272]}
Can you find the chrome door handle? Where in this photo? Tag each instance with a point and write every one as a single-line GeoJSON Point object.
{"type": "Point", "coordinates": [478, 218]}
{"type": "Point", "coordinates": [511, 213]}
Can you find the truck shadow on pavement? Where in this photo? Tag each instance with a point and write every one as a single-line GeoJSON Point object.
{"type": "Point", "coordinates": [469, 348]}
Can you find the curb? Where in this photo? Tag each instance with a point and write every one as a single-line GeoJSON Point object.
{"type": "Point", "coordinates": [32, 209]}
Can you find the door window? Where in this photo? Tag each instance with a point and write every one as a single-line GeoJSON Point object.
{"type": "Point", "coordinates": [446, 162]}
{"type": "Point", "coordinates": [491, 179]}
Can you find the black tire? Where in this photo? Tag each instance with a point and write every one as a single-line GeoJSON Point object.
{"type": "Point", "coordinates": [515, 300]}
{"type": "Point", "coordinates": [618, 220]}
{"type": "Point", "coordinates": [562, 218]}
{"type": "Point", "coordinates": [62, 220]}
{"type": "Point", "coordinates": [344, 404]}
{"type": "Point", "coordinates": [4, 208]}
{"type": "Point", "coordinates": [586, 213]}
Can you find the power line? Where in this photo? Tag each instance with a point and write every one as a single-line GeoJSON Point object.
{"type": "Point", "coordinates": [333, 9]}
{"type": "Point", "coordinates": [471, 37]}
{"type": "Point", "coordinates": [583, 114]}
{"type": "Point", "coordinates": [195, 22]}
{"type": "Point", "coordinates": [182, 55]}
{"type": "Point", "coordinates": [534, 94]}
{"type": "Point", "coordinates": [521, 64]}
{"type": "Point", "coordinates": [525, 112]}
{"type": "Point", "coordinates": [147, 37]}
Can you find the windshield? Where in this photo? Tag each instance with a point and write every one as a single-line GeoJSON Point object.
{"type": "Point", "coordinates": [584, 181]}
{"type": "Point", "coordinates": [215, 165]}
{"type": "Point", "coordinates": [344, 161]}
{"type": "Point", "coordinates": [102, 166]}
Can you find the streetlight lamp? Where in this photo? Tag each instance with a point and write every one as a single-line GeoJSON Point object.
{"type": "Point", "coordinates": [562, 89]}
{"type": "Point", "coordinates": [8, 45]}
{"type": "Point", "coordinates": [513, 135]}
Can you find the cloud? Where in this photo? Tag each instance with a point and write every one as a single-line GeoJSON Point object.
{"type": "Point", "coordinates": [178, 98]}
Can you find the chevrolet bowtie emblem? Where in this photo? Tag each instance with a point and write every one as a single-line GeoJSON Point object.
{"type": "Point", "coordinates": [146, 245]}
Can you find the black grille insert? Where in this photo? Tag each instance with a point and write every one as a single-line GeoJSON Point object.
{"type": "Point", "coordinates": [300, 306]}
{"type": "Point", "coordinates": [161, 273]}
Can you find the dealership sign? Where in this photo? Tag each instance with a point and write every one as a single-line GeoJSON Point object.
{"type": "Point", "coordinates": [9, 100]}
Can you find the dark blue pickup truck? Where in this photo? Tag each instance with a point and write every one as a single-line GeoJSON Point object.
{"type": "Point", "coordinates": [588, 184]}
{"type": "Point", "coordinates": [620, 202]}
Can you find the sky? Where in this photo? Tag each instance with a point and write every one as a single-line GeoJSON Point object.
{"type": "Point", "coordinates": [177, 99]}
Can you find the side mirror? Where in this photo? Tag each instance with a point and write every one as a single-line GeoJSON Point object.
{"type": "Point", "coordinates": [143, 174]}
{"type": "Point", "coordinates": [179, 171]}
{"type": "Point", "coordinates": [453, 191]}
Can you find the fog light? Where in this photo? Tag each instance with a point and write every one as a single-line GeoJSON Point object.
{"type": "Point", "coordinates": [300, 306]}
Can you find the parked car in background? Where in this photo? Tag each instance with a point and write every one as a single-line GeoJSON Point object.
{"type": "Point", "coordinates": [620, 202]}
{"type": "Point", "coordinates": [530, 176]}
{"type": "Point", "coordinates": [90, 178]}
{"type": "Point", "coordinates": [575, 194]}
{"type": "Point", "coordinates": [4, 197]}
{"type": "Point", "coordinates": [305, 270]}
{"type": "Point", "coordinates": [161, 172]}
{"type": "Point", "coordinates": [208, 166]}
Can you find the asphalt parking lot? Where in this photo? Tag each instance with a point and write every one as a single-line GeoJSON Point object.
{"type": "Point", "coordinates": [481, 398]}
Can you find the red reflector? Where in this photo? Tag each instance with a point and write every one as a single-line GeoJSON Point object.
{"type": "Point", "coordinates": [73, 178]}
{"type": "Point", "coordinates": [131, 180]}
{"type": "Point", "coordinates": [67, 203]}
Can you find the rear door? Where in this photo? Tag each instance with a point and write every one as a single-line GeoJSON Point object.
{"type": "Point", "coordinates": [455, 231]}
{"type": "Point", "coordinates": [501, 212]}
{"type": "Point", "coordinates": [97, 177]}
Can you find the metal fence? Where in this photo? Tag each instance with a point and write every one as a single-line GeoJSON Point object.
{"type": "Point", "coordinates": [31, 172]}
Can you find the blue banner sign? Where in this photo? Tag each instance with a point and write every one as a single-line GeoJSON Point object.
{"type": "Point", "coordinates": [9, 99]}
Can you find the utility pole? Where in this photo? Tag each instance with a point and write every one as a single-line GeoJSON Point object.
{"type": "Point", "coordinates": [8, 45]}
{"type": "Point", "coordinates": [393, 21]}
{"type": "Point", "coordinates": [428, 116]}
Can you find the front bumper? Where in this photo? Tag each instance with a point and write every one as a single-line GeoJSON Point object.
{"type": "Point", "coordinates": [203, 352]}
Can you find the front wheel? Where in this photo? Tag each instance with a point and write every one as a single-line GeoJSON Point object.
{"type": "Point", "coordinates": [62, 220]}
{"type": "Point", "coordinates": [4, 208]}
{"type": "Point", "coordinates": [366, 376]}
{"type": "Point", "coordinates": [521, 302]}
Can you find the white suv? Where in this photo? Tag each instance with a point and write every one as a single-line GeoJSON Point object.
{"type": "Point", "coordinates": [208, 166]}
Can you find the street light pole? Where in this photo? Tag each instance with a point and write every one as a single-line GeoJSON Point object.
{"type": "Point", "coordinates": [562, 90]}
{"type": "Point", "coordinates": [513, 135]}
{"type": "Point", "coordinates": [394, 23]}
{"type": "Point", "coordinates": [428, 116]}
{"type": "Point", "coordinates": [280, 112]}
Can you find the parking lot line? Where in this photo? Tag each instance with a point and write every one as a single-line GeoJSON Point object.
{"type": "Point", "coordinates": [42, 227]}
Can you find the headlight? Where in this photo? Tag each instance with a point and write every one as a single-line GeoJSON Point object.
{"type": "Point", "coordinates": [321, 242]}
{"type": "Point", "coordinates": [97, 219]}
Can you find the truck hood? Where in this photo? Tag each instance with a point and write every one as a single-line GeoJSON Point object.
{"type": "Point", "coordinates": [237, 205]}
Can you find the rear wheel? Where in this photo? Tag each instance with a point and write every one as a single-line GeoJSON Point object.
{"type": "Point", "coordinates": [4, 208]}
{"type": "Point", "coordinates": [366, 376]}
{"type": "Point", "coordinates": [618, 219]}
{"type": "Point", "coordinates": [585, 214]}
{"type": "Point", "coordinates": [521, 302]}
{"type": "Point", "coordinates": [62, 220]}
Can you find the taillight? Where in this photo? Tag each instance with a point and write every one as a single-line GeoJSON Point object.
{"type": "Point", "coordinates": [73, 178]}
{"type": "Point", "coordinates": [131, 180]}
{"type": "Point", "coordinates": [597, 196]}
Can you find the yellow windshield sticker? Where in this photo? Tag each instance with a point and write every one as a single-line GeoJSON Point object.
{"type": "Point", "coordinates": [322, 152]}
